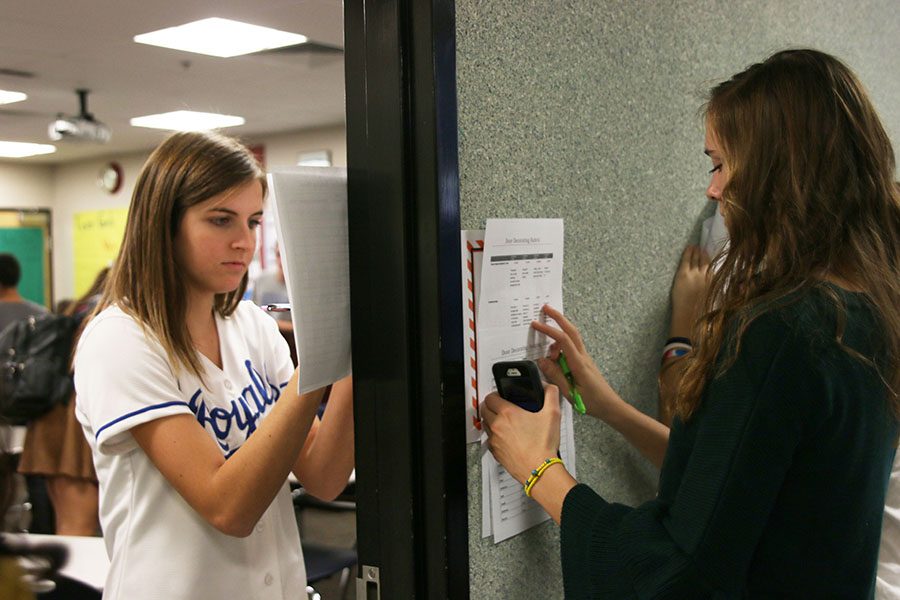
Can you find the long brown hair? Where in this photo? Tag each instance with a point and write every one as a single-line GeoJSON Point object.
{"type": "Point", "coordinates": [146, 282]}
{"type": "Point", "coordinates": [810, 194]}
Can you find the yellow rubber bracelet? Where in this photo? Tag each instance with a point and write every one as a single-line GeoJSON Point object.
{"type": "Point", "coordinates": [536, 473]}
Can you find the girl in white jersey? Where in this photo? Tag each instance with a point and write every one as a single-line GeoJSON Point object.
{"type": "Point", "coordinates": [188, 396]}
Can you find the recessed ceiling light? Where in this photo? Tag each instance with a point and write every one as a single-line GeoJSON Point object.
{"type": "Point", "coordinates": [220, 37]}
{"type": "Point", "coordinates": [23, 149]}
{"type": "Point", "coordinates": [187, 120]}
{"type": "Point", "coordinates": [7, 97]}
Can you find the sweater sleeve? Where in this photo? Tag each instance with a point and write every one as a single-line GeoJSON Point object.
{"type": "Point", "coordinates": [743, 439]}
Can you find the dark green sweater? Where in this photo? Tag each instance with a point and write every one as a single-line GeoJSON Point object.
{"type": "Point", "coordinates": [775, 488]}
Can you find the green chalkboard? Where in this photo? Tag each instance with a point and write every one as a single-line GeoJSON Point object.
{"type": "Point", "coordinates": [27, 244]}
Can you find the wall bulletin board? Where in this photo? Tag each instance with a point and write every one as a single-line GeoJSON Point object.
{"type": "Point", "coordinates": [27, 244]}
{"type": "Point", "coordinates": [97, 235]}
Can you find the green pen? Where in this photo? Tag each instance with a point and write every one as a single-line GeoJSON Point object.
{"type": "Point", "coordinates": [573, 389]}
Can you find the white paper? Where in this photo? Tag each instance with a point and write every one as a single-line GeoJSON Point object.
{"type": "Point", "coordinates": [311, 219]}
{"type": "Point", "coordinates": [512, 511]}
{"type": "Point", "coordinates": [713, 234]}
{"type": "Point", "coordinates": [487, 527]}
{"type": "Point", "coordinates": [521, 271]}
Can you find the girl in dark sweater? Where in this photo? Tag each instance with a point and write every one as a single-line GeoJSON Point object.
{"type": "Point", "coordinates": [773, 478]}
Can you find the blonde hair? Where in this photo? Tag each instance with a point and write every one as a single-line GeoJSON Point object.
{"type": "Point", "coordinates": [810, 194]}
{"type": "Point", "coordinates": [146, 282]}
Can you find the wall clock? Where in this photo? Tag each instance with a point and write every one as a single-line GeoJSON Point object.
{"type": "Point", "coordinates": [109, 178]}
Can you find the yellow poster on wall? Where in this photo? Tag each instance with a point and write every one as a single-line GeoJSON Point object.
{"type": "Point", "coordinates": [97, 235]}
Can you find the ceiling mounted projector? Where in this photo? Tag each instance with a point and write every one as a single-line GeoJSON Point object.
{"type": "Point", "coordinates": [80, 128]}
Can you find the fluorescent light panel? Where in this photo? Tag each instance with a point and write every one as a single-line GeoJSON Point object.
{"type": "Point", "coordinates": [23, 149]}
{"type": "Point", "coordinates": [220, 37]}
{"type": "Point", "coordinates": [187, 120]}
{"type": "Point", "coordinates": [7, 97]}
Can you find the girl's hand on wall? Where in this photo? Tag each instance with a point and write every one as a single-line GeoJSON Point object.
{"type": "Point", "coordinates": [594, 389]}
{"type": "Point", "coordinates": [688, 289]}
{"type": "Point", "coordinates": [521, 440]}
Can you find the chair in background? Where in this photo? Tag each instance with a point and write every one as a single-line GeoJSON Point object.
{"type": "Point", "coordinates": [70, 589]}
{"type": "Point", "coordinates": [323, 560]}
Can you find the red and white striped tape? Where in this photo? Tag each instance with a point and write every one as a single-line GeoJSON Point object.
{"type": "Point", "coordinates": [471, 249]}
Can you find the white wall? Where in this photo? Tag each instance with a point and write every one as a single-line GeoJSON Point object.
{"type": "Point", "coordinates": [282, 150]}
{"type": "Point", "coordinates": [75, 190]}
{"type": "Point", "coordinates": [26, 186]}
{"type": "Point", "coordinates": [71, 188]}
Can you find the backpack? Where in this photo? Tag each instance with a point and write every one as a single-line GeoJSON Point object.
{"type": "Point", "coordinates": [34, 366]}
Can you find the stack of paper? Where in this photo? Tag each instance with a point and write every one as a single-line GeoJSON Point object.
{"type": "Point", "coordinates": [311, 218]}
{"type": "Point", "coordinates": [520, 271]}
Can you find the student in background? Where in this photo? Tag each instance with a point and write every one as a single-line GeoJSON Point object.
{"type": "Point", "coordinates": [13, 307]}
{"type": "Point", "coordinates": [56, 450]}
{"type": "Point", "coordinates": [187, 397]}
{"type": "Point", "coordinates": [43, 560]}
{"type": "Point", "coordinates": [785, 426]}
{"type": "Point", "coordinates": [270, 288]}
{"type": "Point", "coordinates": [12, 581]}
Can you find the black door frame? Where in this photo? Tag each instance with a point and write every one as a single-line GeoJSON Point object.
{"type": "Point", "coordinates": [403, 194]}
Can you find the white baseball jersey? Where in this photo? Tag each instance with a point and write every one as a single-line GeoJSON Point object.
{"type": "Point", "coordinates": [888, 583]}
{"type": "Point", "coordinates": [159, 547]}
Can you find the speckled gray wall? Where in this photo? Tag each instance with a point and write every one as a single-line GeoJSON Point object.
{"type": "Point", "coordinates": [588, 110]}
